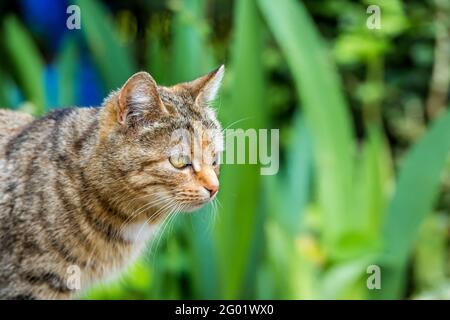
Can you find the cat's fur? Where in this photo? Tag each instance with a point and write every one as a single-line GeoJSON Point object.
{"type": "Point", "coordinates": [86, 187]}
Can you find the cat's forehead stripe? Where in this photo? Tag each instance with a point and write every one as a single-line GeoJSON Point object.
{"type": "Point", "coordinates": [184, 104]}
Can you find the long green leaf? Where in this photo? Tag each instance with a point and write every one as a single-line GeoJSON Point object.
{"type": "Point", "coordinates": [3, 91]}
{"type": "Point", "coordinates": [190, 59]}
{"type": "Point", "coordinates": [241, 215]}
{"type": "Point", "coordinates": [66, 66]}
{"type": "Point", "coordinates": [298, 175]}
{"type": "Point", "coordinates": [416, 191]}
{"type": "Point", "coordinates": [190, 55]}
{"type": "Point", "coordinates": [289, 190]}
{"type": "Point", "coordinates": [372, 179]}
{"type": "Point", "coordinates": [157, 59]}
{"type": "Point", "coordinates": [26, 63]}
{"type": "Point", "coordinates": [326, 112]}
{"type": "Point", "coordinates": [112, 58]}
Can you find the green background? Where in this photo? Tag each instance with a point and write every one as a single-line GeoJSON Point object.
{"type": "Point", "coordinates": [364, 139]}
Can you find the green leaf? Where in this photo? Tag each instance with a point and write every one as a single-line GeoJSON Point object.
{"type": "Point", "coordinates": [157, 59]}
{"type": "Point", "coordinates": [26, 63]}
{"type": "Point", "coordinates": [415, 194]}
{"type": "Point", "coordinates": [111, 57]}
{"type": "Point", "coordinates": [242, 212]}
{"type": "Point", "coordinates": [191, 55]}
{"type": "Point", "coordinates": [66, 65]}
{"type": "Point", "coordinates": [326, 112]}
{"type": "Point", "coordinates": [373, 172]}
{"type": "Point", "coordinates": [190, 59]}
{"type": "Point", "coordinates": [345, 280]}
{"type": "Point", "coordinates": [431, 253]}
{"type": "Point", "coordinates": [3, 90]}
{"type": "Point", "coordinates": [290, 190]}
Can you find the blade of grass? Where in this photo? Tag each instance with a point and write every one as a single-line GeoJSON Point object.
{"type": "Point", "coordinates": [112, 59]}
{"type": "Point", "coordinates": [371, 182]}
{"type": "Point", "coordinates": [26, 63]}
{"type": "Point", "coordinates": [190, 59]}
{"type": "Point", "coordinates": [415, 193]}
{"type": "Point", "coordinates": [298, 176]}
{"type": "Point", "coordinates": [431, 253]}
{"type": "Point", "coordinates": [157, 59]}
{"type": "Point", "coordinates": [345, 280]}
{"type": "Point", "coordinates": [325, 108]}
{"type": "Point", "coordinates": [287, 197]}
{"type": "Point", "coordinates": [240, 221]}
{"type": "Point", "coordinates": [3, 92]}
{"type": "Point", "coordinates": [66, 66]}
{"type": "Point", "coordinates": [190, 54]}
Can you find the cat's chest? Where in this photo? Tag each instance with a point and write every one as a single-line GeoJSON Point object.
{"type": "Point", "coordinates": [113, 262]}
{"type": "Point", "coordinates": [139, 233]}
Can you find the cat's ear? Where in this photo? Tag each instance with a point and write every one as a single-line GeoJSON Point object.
{"type": "Point", "coordinates": [139, 99]}
{"type": "Point", "coordinates": [205, 88]}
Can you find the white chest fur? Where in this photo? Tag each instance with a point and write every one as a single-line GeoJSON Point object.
{"type": "Point", "coordinates": [139, 232]}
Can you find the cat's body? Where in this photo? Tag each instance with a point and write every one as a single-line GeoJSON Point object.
{"type": "Point", "coordinates": [11, 123]}
{"type": "Point", "coordinates": [51, 215]}
{"type": "Point", "coordinates": [82, 190]}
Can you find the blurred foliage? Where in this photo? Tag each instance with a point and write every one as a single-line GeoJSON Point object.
{"type": "Point", "coordinates": [364, 176]}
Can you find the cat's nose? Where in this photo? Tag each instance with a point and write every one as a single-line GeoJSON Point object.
{"type": "Point", "coordinates": [212, 189]}
{"type": "Point", "coordinates": [208, 179]}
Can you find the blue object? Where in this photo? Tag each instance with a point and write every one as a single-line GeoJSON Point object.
{"type": "Point", "coordinates": [51, 87]}
{"type": "Point", "coordinates": [47, 17]}
{"type": "Point", "coordinates": [89, 90]}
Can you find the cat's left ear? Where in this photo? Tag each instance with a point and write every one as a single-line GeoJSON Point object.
{"type": "Point", "coordinates": [205, 88]}
{"type": "Point", "coordinates": [139, 99]}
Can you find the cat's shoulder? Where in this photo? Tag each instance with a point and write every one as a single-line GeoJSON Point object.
{"type": "Point", "coordinates": [12, 122]}
{"type": "Point", "coordinates": [17, 127]}
{"type": "Point", "coordinates": [12, 119]}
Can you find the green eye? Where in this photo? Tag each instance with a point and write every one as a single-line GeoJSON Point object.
{"type": "Point", "coordinates": [180, 161]}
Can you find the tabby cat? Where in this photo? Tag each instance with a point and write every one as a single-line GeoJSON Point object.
{"type": "Point", "coordinates": [85, 189]}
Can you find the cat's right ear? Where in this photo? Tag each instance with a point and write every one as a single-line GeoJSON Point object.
{"type": "Point", "coordinates": [139, 99]}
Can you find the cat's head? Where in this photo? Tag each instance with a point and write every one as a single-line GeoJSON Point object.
{"type": "Point", "coordinates": [162, 144]}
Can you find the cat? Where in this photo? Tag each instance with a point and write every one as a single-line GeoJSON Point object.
{"type": "Point", "coordinates": [84, 189]}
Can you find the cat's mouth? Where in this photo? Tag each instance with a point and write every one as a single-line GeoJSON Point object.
{"type": "Point", "coordinates": [192, 201]}
{"type": "Point", "coordinates": [197, 204]}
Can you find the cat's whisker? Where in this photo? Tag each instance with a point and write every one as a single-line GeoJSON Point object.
{"type": "Point", "coordinates": [160, 233]}
{"type": "Point", "coordinates": [212, 210]}
{"type": "Point", "coordinates": [162, 209]}
{"type": "Point", "coordinates": [216, 214]}
{"type": "Point", "coordinates": [135, 214]}
{"type": "Point", "coordinates": [235, 122]}
{"type": "Point", "coordinates": [177, 211]}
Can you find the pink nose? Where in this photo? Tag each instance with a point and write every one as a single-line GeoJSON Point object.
{"type": "Point", "coordinates": [212, 189]}
{"type": "Point", "coordinates": [208, 179]}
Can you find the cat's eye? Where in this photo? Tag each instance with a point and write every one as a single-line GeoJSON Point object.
{"type": "Point", "coordinates": [180, 161]}
{"type": "Point", "coordinates": [215, 160]}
